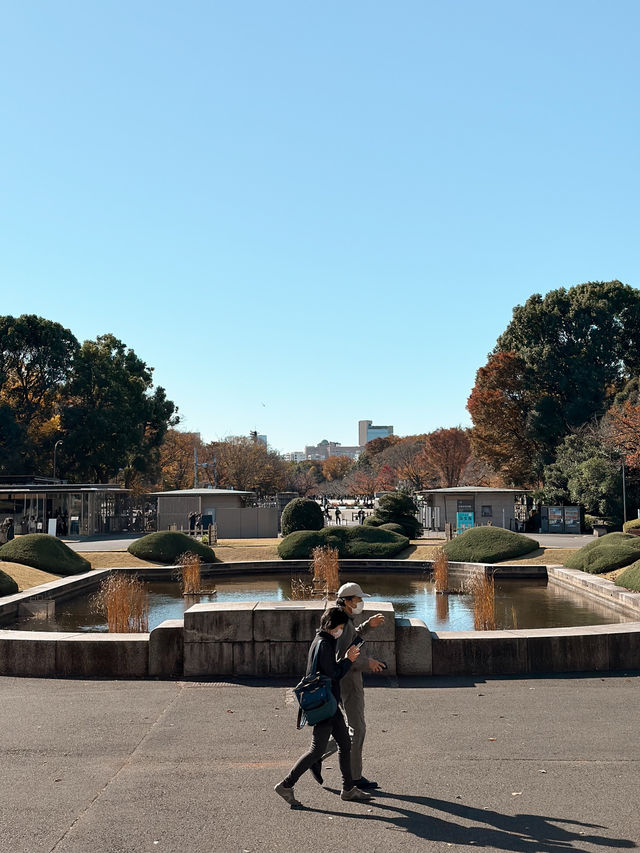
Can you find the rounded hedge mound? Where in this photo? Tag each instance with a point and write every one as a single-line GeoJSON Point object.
{"type": "Point", "coordinates": [488, 545]}
{"type": "Point", "coordinates": [301, 514]}
{"type": "Point", "coordinates": [166, 546]}
{"type": "Point", "coordinates": [44, 552]}
{"type": "Point", "coordinates": [7, 584]}
{"type": "Point", "coordinates": [630, 578]}
{"type": "Point", "coordinates": [396, 508]}
{"type": "Point", "coordinates": [351, 543]}
{"type": "Point", "coordinates": [606, 553]}
{"type": "Point", "coordinates": [395, 528]}
{"type": "Point", "coordinates": [631, 526]}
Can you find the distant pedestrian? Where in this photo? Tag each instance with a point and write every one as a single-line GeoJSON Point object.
{"type": "Point", "coordinates": [338, 514]}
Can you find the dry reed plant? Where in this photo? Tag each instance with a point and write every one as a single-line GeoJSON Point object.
{"type": "Point", "coordinates": [124, 600]}
{"type": "Point", "coordinates": [325, 569]}
{"type": "Point", "coordinates": [190, 578]}
{"type": "Point", "coordinates": [484, 613]}
{"type": "Point", "coordinates": [301, 590]}
{"type": "Point", "coordinates": [441, 571]}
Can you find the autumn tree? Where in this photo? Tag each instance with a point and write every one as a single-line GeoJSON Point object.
{"type": "Point", "coordinates": [247, 465]}
{"type": "Point", "coordinates": [303, 477]}
{"type": "Point", "coordinates": [37, 359]}
{"type": "Point", "coordinates": [499, 407]}
{"type": "Point", "coordinates": [573, 349]}
{"type": "Point", "coordinates": [406, 458]}
{"type": "Point", "coordinates": [335, 467]}
{"type": "Point", "coordinates": [447, 452]}
{"type": "Point", "coordinates": [177, 458]}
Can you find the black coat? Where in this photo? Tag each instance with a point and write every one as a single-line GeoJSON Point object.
{"type": "Point", "coordinates": [327, 663]}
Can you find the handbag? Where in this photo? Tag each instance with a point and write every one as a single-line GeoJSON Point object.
{"type": "Point", "coordinates": [315, 696]}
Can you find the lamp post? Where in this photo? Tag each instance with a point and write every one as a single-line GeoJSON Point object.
{"type": "Point", "coordinates": [624, 494]}
{"type": "Point", "coordinates": [55, 451]}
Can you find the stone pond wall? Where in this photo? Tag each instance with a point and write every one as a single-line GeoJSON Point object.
{"type": "Point", "coordinates": [272, 639]}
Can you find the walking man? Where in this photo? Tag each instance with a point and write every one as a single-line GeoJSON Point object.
{"type": "Point", "coordinates": [351, 599]}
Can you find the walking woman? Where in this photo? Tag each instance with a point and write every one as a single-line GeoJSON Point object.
{"type": "Point", "coordinates": [331, 627]}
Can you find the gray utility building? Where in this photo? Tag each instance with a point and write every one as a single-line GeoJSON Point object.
{"type": "Point", "coordinates": [472, 506]}
{"type": "Point", "coordinates": [226, 508]}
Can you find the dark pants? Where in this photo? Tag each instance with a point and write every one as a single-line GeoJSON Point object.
{"type": "Point", "coordinates": [337, 727]}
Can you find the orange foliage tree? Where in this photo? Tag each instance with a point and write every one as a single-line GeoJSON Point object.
{"type": "Point", "coordinates": [498, 406]}
{"type": "Point", "coordinates": [623, 428]}
{"type": "Point", "coordinates": [446, 453]}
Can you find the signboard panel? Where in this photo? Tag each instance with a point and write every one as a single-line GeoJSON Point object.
{"type": "Point", "coordinates": [556, 519]}
{"type": "Point", "coordinates": [572, 519]}
{"type": "Point", "coordinates": [464, 520]}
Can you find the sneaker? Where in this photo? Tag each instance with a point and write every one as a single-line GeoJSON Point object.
{"type": "Point", "coordinates": [287, 795]}
{"type": "Point", "coordinates": [365, 784]}
{"type": "Point", "coordinates": [356, 795]}
{"type": "Point", "coordinates": [316, 772]}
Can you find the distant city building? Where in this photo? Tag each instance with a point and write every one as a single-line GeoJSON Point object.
{"type": "Point", "coordinates": [294, 456]}
{"type": "Point", "coordinates": [367, 431]}
{"type": "Point", "coordinates": [325, 449]}
{"type": "Point", "coordinates": [262, 439]}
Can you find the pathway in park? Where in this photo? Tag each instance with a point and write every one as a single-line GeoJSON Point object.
{"type": "Point", "coordinates": [121, 541]}
{"type": "Point", "coordinates": [547, 765]}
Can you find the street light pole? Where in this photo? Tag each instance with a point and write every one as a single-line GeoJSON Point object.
{"type": "Point", "coordinates": [624, 494]}
{"type": "Point", "coordinates": [55, 450]}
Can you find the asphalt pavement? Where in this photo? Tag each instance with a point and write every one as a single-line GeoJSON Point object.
{"type": "Point", "coordinates": [512, 764]}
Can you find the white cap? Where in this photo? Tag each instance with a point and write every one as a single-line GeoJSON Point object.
{"type": "Point", "coordinates": [347, 590]}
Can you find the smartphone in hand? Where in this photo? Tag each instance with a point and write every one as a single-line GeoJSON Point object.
{"type": "Point", "coordinates": [358, 642]}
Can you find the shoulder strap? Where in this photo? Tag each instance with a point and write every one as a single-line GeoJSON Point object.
{"type": "Point", "coordinates": [314, 663]}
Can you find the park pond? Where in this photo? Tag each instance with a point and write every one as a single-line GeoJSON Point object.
{"type": "Point", "coordinates": [518, 603]}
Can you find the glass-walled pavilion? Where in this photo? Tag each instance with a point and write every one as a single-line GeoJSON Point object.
{"type": "Point", "coordinates": [79, 510]}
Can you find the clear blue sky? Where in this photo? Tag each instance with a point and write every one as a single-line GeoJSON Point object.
{"type": "Point", "coordinates": [302, 215]}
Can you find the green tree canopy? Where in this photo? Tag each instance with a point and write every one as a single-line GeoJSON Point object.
{"type": "Point", "coordinates": [577, 348]}
{"type": "Point", "coordinates": [114, 419]}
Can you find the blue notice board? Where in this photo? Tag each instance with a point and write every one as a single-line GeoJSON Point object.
{"type": "Point", "coordinates": [464, 520]}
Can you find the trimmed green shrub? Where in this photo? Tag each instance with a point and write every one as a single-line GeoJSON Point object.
{"type": "Point", "coordinates": [630, 578]}
{"type": "Point", "coordinates": [7, 584]}
{"type": "Point", "coordinates": [488, 545]}
{"type": "Point", "coordinates": [44, 552]}
{"type": "Point", "coordinates": [350, 542]}
{"type": "Point", "coordinates": [606, 553]}
{"type": "Point", "coordinates": [396, 508]}
{"type": "Point", "coordinates": [301, 514]}
{"type": "Point", "coordinates": [633, 524]}
{"type": "Point", "coordinates": [166, 546]}
{"type": "Point", "coordinates": [395, 528]}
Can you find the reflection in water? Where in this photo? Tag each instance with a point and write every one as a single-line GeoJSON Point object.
{"type": "Point", "coordinates": [442, 609]}
{"type": "Point", "coordinates": [531, 602]}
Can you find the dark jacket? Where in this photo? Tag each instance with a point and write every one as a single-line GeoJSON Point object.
{"type": "Point", "coordinates": [327, 664]}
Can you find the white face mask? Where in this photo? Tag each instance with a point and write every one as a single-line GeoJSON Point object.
{"type": "Point", "coordinates": [337, 633]}
{"type": "Point", "coordinates": [358, 608]}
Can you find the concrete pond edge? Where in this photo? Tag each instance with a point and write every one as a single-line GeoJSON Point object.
{"type": "Point", "coordinates": [272, 638]}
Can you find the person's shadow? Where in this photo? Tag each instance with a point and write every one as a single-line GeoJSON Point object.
{"type": "Point", "coordinates": [521, 832]}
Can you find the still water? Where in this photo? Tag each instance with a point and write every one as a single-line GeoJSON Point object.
{"type": "Point", "coordinates": [519, 603]}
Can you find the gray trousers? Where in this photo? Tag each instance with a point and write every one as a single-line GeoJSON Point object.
{"type": "Point", "coordinates": [353, 702]}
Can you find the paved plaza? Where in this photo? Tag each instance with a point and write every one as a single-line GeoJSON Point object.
{"type": "Point", "coordinates": [511, 764]}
